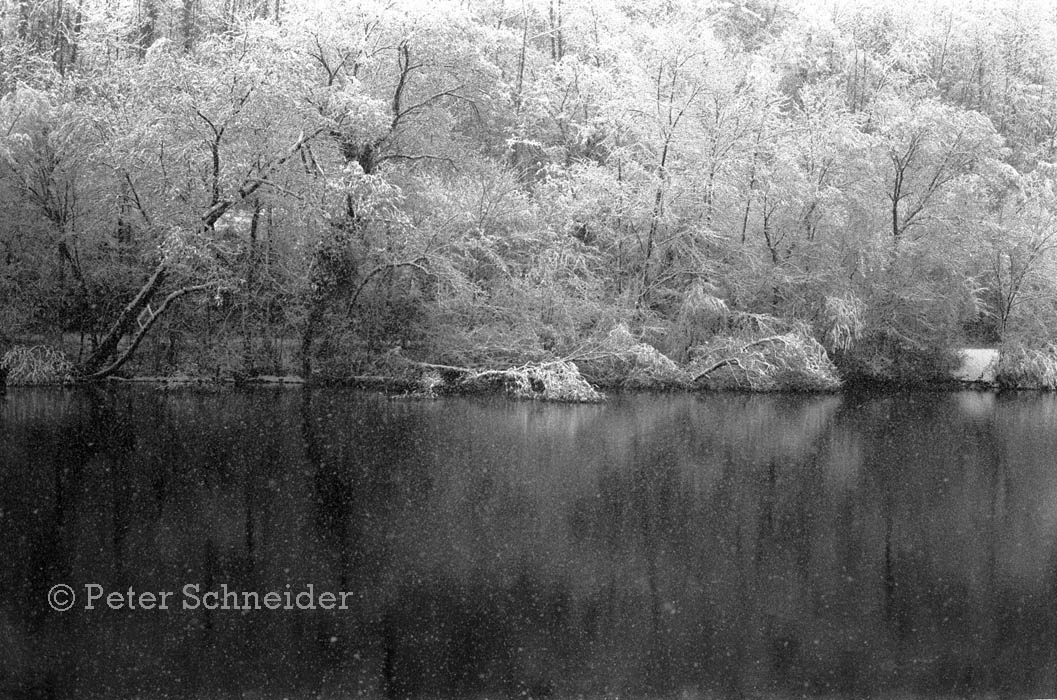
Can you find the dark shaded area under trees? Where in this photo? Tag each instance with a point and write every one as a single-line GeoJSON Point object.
{"type": "Point", "coordinates": [664, 193]}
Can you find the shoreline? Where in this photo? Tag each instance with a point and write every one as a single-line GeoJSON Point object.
{"type": "Point", "coordinates": [404, 387]}
{"type": "Point", "coordinates": [771, 365]}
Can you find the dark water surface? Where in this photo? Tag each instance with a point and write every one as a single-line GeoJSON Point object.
{"type": "Point", "coordinates": [654, 546]}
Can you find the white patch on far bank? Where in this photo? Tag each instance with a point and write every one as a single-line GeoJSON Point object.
{"type": "Point", "coordinates": [977, 365]}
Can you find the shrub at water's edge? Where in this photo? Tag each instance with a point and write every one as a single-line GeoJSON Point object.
{"type": "Point", "coordinates": [622, 361]}
{"type": "Point", "coordinates": [1021, 367]}
{"type": "Point", "coordinates": [35, 366]}
{"type": "Point", "coordinates": [888, 360]}
{"type": "Point", "coordinates": [792, 361]}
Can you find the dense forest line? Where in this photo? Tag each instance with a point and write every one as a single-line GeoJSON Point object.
{"type": "Point", "coordinates": [660, 191]}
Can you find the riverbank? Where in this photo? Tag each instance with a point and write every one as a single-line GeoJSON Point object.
{"type": "Point", "coordinates": [780, 362]}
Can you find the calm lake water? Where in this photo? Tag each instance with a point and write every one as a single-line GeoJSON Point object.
{"type": "Point", "coordinates": [711, 546]}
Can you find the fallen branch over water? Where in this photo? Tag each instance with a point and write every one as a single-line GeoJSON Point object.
{"type": "Point", "coordinates": [558, 380]}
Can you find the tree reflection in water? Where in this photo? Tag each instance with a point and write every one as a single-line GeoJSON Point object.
{"type": "Point", "coordinates": [720, 546]}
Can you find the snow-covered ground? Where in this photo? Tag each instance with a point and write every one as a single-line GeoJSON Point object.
{"type": "Point", "coordinates": [978, 365]}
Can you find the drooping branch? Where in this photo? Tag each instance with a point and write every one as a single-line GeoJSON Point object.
{"type": "Point", "coordinates": [416, 264]}
{"type": "Point", "coordinates": [416, 158]}
{"type": "Point", "coordinates": [736, 361]}
{"type": "Point", "coordinates": [722, 363]}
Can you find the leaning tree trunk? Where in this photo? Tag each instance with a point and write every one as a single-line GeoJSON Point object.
{"type": "Point", "coordinates": [152, 315]}
{"type": "Point", "coordinates": [123, 325]}
{"type": "Point", "coordinates": [99, 364]}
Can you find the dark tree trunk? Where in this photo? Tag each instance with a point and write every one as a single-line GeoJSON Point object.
{"type": "Point", "coordinates": [188, 14]}
{"type": "Point", "coordinates": [148, 27]}
{"type": "Point", "coordinates": [308, 336]}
